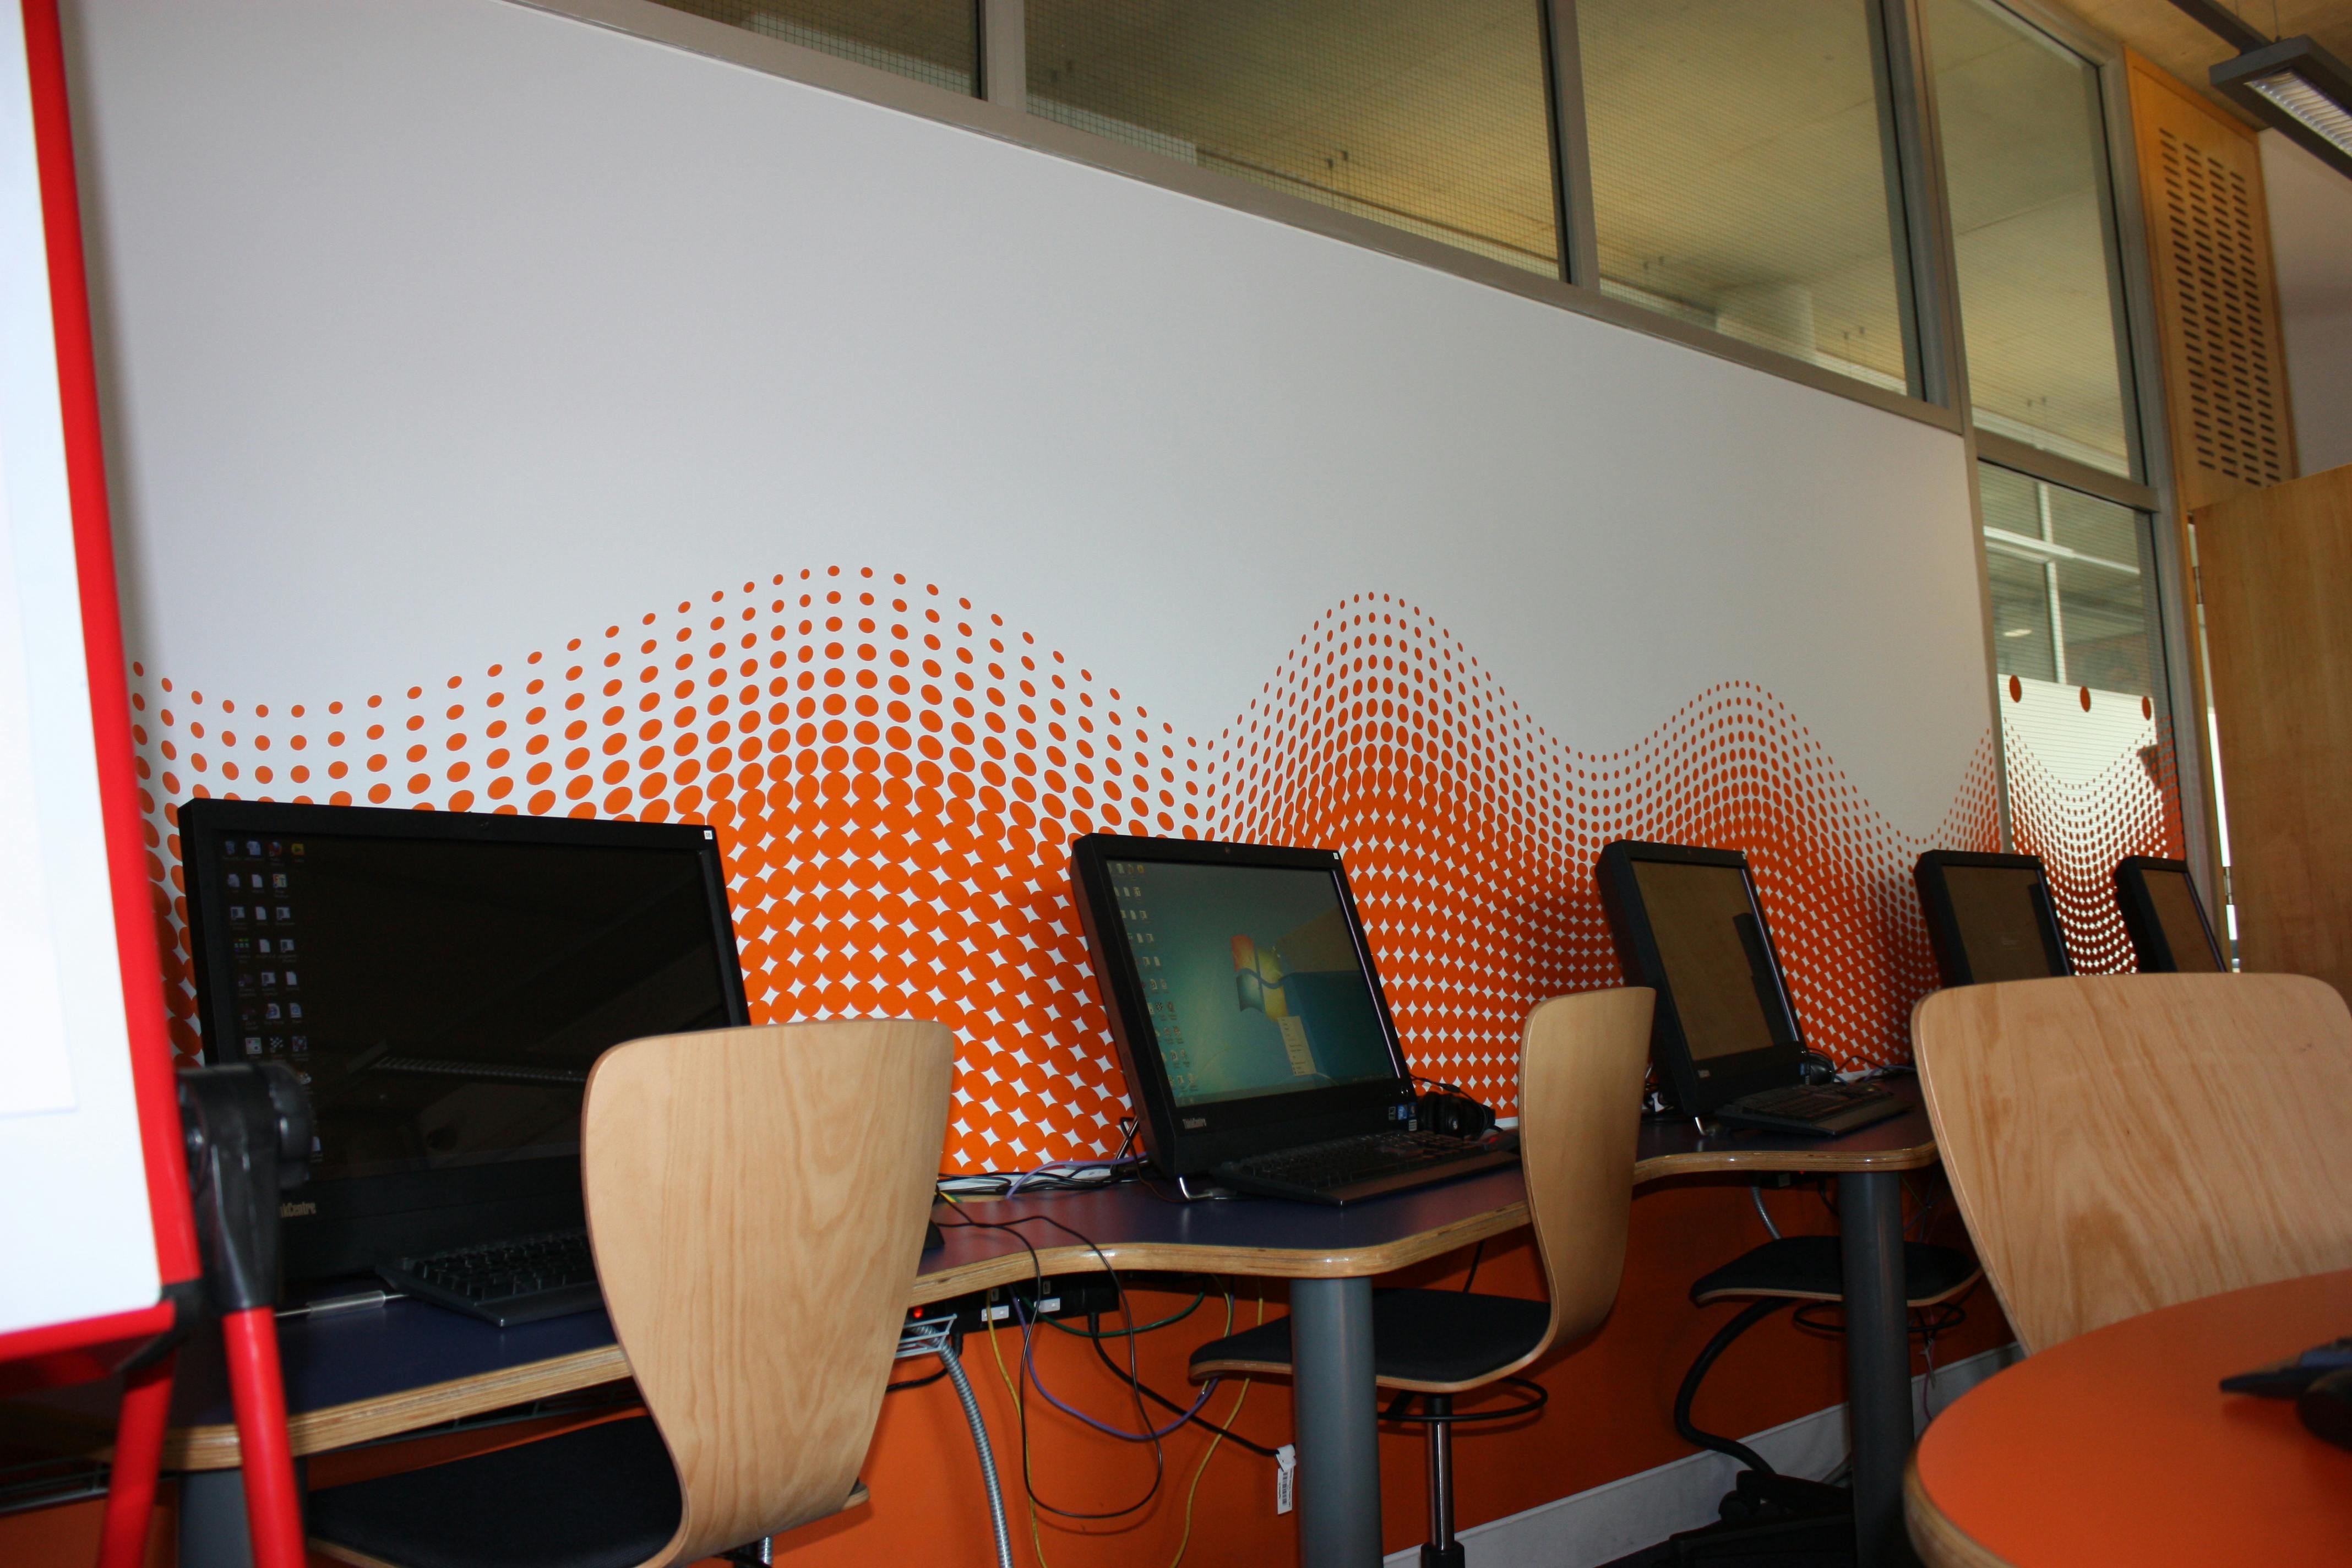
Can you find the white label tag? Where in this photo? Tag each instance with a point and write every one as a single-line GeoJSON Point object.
{"type": "Point", "coordinates": [1286, 1476]}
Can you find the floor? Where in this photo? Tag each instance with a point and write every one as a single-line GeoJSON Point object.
{"type": "Point", "coordinates": [1662, 1555]}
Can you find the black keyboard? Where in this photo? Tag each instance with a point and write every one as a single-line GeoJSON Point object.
{"type": "Point", "coordinates": [1821, 1109]}
{"type": "Point", "coordinates": [508, 1282]}
{"type": "Point", "coordinates": [1344, 1170]}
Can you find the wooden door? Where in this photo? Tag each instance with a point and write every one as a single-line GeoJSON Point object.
{"type": "Point", "coordinates": [2276, 566]}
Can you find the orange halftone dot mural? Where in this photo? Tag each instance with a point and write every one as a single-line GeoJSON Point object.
{"type": "Point", "coordinates": [896, 776]}
{"type": "Point", "coordinates": [2080, 829]}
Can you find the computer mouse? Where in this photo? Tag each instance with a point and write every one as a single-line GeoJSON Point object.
{"type": "Point", "coordinates": [2327, 1408]}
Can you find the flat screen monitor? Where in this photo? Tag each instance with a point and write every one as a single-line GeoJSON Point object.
{"type": "Point", "coordinates": [1242, 995]}
{"type": "Point", "coordinates": [442, 983]}
{"type": "Point", "coordinates": [1689, 925]}
{"type": "Point", "coordinates": [2164, 918]}
{"type": "Point", "coordinates": [1989, 917]}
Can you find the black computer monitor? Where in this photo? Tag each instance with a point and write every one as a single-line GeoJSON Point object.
{"type": "Point", "coordinates": [2164, 918]}
{"type": "Point", "coordinates": [444, 981]}
{"type": "Point", "coordinates": [1242, 995]}
{"type": "Point", "coordinates": [1989, 917]}
{"type": "Point", "coordinates": [1688, 924]}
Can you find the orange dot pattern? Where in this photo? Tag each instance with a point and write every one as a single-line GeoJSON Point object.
{"type": "Point", "coordinates": [896, 776]}
{"type": "Point", "coordinates": [2131, 807]}
{"type": "Point", "coordinates": [1471, 837]}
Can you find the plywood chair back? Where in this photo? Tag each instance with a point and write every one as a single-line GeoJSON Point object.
{"type": "Point", "coordinates": [1581, 1064]}
{"type": "Point", "coordinates": [2122, 1142]}
{"type": "Point", "coordinates": [756, 1202]}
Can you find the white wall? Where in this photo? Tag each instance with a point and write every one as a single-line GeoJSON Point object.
{"type": "Point", "coordinates": [439, 325]}
{"type": "Point", "coordinates": [2311, 243]}
{"type": "Point", "coordinates": [441, 332]}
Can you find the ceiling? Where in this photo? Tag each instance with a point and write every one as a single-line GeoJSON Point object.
{"type": "Point", "coordinates": [2166, 35]}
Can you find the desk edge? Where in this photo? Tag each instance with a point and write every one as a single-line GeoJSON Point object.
{"type": "Point", "coordinates": [1941, 1543]}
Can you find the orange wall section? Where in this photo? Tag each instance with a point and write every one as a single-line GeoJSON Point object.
{"type": "Point", "coordinates": [895, 774]}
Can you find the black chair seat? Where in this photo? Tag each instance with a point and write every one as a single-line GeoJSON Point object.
{"type": "Point", "coordinates": [1809, 1267]}
{"type": "Point", "coordinates": [602, 1496]}
{"type": "Point", "coordinates": [1418, 1336]}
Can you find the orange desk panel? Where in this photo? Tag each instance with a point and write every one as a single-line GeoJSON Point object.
{"type": "Point", "coordinates": [2118, 1448]}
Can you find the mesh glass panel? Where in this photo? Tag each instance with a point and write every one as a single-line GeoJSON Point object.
{"type": "Point", "coordinates": [934, 41]}
{"type": "Point", "coordinates": [1432, 119]}
{"type": "Point", "coordinates": [2073, 597]}
{"type": "Point", "coordinates": [1738, 176]}
{"type": "Point", "coordinates": [2021, 640]}
{"type": "Point", "coordinates": [2024, 153]}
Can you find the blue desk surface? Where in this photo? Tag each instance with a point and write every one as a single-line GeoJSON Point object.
{"type": "Point", "coordinates": [373, 1354]}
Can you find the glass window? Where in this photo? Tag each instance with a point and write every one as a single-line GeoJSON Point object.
{"type": "Point", "coordinates": [1740, 173]}
{"type": "Point", "coordinates": [2072, 599]}
{"type": "Point", "coordinates": [2025, 161]}
{"type": "Point", "coordinates": [934, 41]}
{"type": "Point", "coordinates": [1435, 119]}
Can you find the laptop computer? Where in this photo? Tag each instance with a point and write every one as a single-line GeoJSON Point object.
{"type": "Point", "coordinates": [1725, 1039]}
{"type": "Point", "coordinates": [1989, 917]}
{"type": "Point", "coordinates": [1258, 1047]}
{"type": "Point", "coordinates": [2164, 918]}
{"type": "Point", "coordinates": [442, 983]}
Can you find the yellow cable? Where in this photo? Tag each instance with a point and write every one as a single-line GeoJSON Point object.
{"type": "Point", "coordinates": [1035, 1538]}
{"type": "Point", "coordinates": [1185, 1540]}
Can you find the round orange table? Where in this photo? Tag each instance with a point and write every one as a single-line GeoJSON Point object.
{"type": "Point", "coordinates": [2117, 1447]}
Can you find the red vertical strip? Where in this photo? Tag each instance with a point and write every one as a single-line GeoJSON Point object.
{"type": "Point", "coordinates": [138, 1457]}
{"type": "Point", "coordinates": [101, 621]}
{"type": "Point", "coordinates": [273, 1503]}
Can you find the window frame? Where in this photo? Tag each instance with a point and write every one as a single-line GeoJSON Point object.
{"type": "Point", "coordinates": [1919, 211]}
{"type": "Point", "coordinates": [1002, 114]}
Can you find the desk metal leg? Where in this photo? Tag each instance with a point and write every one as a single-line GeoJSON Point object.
{"type": "Point", "coordinates": [1338, 1416]}
{"type": "Point", "coordinates": [212, 1518]}
{"type": "Point", "coordinates": [1878, 1362]}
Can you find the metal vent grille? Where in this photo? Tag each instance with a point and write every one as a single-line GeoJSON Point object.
{"type": "Point", "coordinates": [2220, 298]}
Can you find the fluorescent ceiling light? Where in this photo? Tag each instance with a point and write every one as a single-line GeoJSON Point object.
{"type": "Point", "coordinates": [2301, 89]}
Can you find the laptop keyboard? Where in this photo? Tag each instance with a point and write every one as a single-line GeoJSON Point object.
{"type": "Point", "coordinates": [1817, 1108]}
{"type": "Point", "coordinates": [507, 1282]}
{"type": "Point", "coordinates": [1361, 1166]}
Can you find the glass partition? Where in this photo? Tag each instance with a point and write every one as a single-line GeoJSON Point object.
{"type": "Point", "coordinates": [1740, 173]}
{"type": "Point", "coordinates": [2025, 164]}
{"type": "Point", "coordinates": [1433, 119]}
{"type": "Point", "coordinates": [934, 41]}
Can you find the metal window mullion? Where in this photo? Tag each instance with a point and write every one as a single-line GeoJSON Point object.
{"type": "Point", "coordinates": [1004, 53]}
{"type": "Point", "coordinates": [2181, 640]}
{"type": "Point", "coordinates": [1944, 358]}
{"type": "Point", "coordinates": [2066, 473]}
{"type": "Point", "coordinates": [1916, 211]}
{"type": "Point", "coordinates": [1571, 142]}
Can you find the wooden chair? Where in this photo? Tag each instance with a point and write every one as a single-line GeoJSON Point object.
{"type": "Point", "coordinates": [2122, 1142]}
{"type": "Point", "coordinates": [1581, 1065]}
{"type": "Point", "coordinates": [756, 1203]}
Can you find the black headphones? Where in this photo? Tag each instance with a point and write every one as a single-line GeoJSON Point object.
{"type": "Point", "coordinates": [1455, 1115]}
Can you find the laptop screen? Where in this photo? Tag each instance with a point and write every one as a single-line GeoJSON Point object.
{"type": "Point", "coordinates": [445, 997]}
{"type": "Point", "coordinates": [1250, 977]}
{"type": "Point", "coordinates": [2170, 894]}
{"type": "Point", "coordinates": [1998, 921]}
{"type": "Point", "coordinates": [1696, 913]}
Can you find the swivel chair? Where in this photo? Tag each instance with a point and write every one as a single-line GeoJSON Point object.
{"type": "Point", "coordinates": [1579, 1109]}
{"type": "Point", "coordinates": [756, 1203]}
{"type": "Point", "coordinates": [1764, 1506]}
{"type": "Point", "coordinates": [2122, 1142]}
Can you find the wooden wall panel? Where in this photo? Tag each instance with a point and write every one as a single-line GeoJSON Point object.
{"type": "Point", "coordinates": [2277, 571]}
{"type": "Point", "coordinates": [2216, 299]}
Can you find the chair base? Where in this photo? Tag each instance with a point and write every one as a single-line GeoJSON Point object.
{"type": "Point", "coordinates": [1765, 1513]}
{"type": "Point", "coordinates": [1446, 1556]}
